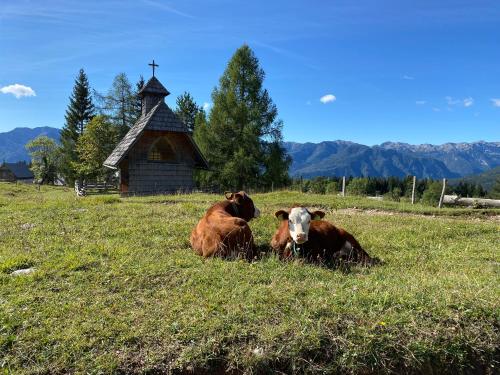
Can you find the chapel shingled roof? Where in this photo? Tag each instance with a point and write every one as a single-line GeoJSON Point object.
{"type": "Point", "coordinates": [160, 117]}
{"type": "Point", "coordinates": [153, 86]}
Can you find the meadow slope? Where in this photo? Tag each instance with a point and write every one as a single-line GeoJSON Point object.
{"type": "Point", "coordinates": [118, 290]}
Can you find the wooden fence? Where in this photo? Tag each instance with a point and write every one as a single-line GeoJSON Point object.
{"type": "Point", "coordinates": [85, 188]}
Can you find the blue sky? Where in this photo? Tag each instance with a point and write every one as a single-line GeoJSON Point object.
{"type": "Point", "coordinates": [410, 71]}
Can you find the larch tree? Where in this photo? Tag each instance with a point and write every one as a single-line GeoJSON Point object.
{"type": "Point", "coordinates": [120, 104]}
{"type": "Point", "coordinates": [242, 139]}
{"type": "Point", "coordinates": [80, 111]}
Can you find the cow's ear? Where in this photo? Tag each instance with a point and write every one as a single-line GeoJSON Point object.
{"type": "Point", "coordinates": [281, 215]}
{"type": "Point", "coordinates": [238, 198]}
{"type": "Point", "coordinates": [317, 215]}
{"type": "Point", "coordinates": [228, 195]}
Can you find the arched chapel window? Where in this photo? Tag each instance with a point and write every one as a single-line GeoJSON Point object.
{"type": "Point", "coordinates": [161, 151]}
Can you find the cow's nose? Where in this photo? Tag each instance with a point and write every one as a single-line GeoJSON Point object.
{"type": "Point", "coordinates": [256, 212]}
{"type": "Point", "coordinates": [301, 237]}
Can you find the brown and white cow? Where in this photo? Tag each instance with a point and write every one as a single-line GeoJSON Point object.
{"type": "Point", "coordinates": [223, 230]}
{"type": "Point", "coordinates": [302, 233]}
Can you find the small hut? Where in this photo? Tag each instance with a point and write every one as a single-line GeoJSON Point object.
{"type": "Point", "coordinates": [158, 154]}
{"type": "Point", "coordinates": [16, 172]}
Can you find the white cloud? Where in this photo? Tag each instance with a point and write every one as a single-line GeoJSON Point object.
{"type": "Point", "coordinates": [468, 102]}
{"type": "Point", "coordinates": [495, 102]}
{"type": "Point", "coordinates": [420, 102]}
{"type": "Point", "coordinates": [18, 90]}
{"type": "Point", "coordinates": [410, 78]}
{"type": "Point", "coordinates": [436, 109]}
{"type": "Point", "coordinates": [452, 101]}
{"type": "Point", "coordinates": [206, 106]}
{"type": "Point", "coordinates": [329, 98]}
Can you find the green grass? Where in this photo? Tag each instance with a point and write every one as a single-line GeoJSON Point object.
{"type": "Point", "coordinates": [118, 290]}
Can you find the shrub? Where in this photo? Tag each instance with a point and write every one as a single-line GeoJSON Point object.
{"type": "Point", "coordinates": [358, 186]}
{"type": "Point", "coordinates": [432, 193]}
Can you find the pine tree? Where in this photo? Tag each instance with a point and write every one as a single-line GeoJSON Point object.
{"type": "Point", "coordinates": [187, 109]}
{"type": "Point", "coordinates": [80, 111]}
{"type": "Point", "coordinates": [242, 140]}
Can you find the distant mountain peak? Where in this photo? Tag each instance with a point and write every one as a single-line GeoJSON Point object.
{"type": "Point", "coordinates": [12, 142]}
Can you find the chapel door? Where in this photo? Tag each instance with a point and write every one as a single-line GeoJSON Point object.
{"type": "Point", "coordinates": [124, 178]}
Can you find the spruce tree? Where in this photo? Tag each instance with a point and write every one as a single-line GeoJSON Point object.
{"type": "Point", "coordinates": [201, 137]}
{"type": "Point", "coordinates": [137, 99]}
{"type": "Point", "coordinates": [495, 190]}
{"type": "Point", "coordinates": [242, 140]}
{"type": "Point", "coordinates": [80, 111]}
{"type": "Point", "coordinates": [187, 109]}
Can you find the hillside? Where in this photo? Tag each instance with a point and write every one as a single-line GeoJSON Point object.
{"type": "Point", "coordinates": [12, 142]}
{"type": "Point", "coordinates": [487, 179]}
{"type": "Point", "coordinates": [336, 158]}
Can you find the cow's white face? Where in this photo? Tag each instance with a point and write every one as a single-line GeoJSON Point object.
{"type": "Point", "coordinates": [299, 221]}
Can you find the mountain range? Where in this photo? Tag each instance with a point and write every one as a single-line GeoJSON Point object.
{"type": "Point", "coordinates": [343, 158]}
{"type": "Point", "coordinates": [12, 143]}
{"type": "Point", "coordinates": [338, 158]}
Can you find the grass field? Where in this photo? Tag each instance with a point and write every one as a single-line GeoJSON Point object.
{"type": "Point", "coordinates": [118, 290]}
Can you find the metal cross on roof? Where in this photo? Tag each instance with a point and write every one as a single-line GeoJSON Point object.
{"type": "Point", "coordinates": [153, 65]}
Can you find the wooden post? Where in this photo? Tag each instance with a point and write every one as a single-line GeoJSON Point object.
{"type": "Point", "coordinates": [272, 186]}
{"type": "Point", "coordinates": [413, 190]}
{"type": "Point", "coordinates": [343, 186]}
{"type": "Point", "coordinates": [442, 193]}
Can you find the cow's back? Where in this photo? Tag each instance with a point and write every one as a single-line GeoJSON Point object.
{"type": "Point", "coordinates": [218, 233]}
{"type": "Point", "coordinates": [330, 243]}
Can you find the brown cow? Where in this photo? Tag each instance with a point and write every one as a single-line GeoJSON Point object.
{"type": "Point", "coordinates": [224, 230]}
{"type": "Point", "coordinates": [303, 233]}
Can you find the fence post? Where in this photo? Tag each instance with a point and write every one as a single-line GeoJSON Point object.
{"type": "Point", "coordinates": [343, 186]}
{"type": "Point", "coordinates": [442, 193]}
{"type": "Point", "coordinates": [413, 190]}
{"type": "Point", "coordinates": [272, 186]}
